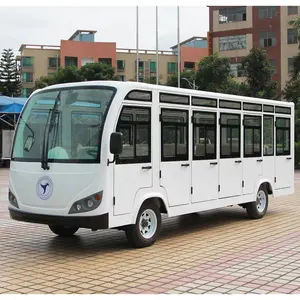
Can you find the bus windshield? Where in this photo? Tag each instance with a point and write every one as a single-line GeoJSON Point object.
{"type": "Point", "coordinates": [74, 119]}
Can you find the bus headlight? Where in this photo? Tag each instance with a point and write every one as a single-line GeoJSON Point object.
{"type": "Point", "coordinates": [86, 204]}
{"type": "Point", "coordinates": [12, 199]}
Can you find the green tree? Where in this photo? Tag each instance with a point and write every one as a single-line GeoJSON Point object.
{"type": "Point", "coordinates": [88, 72]}
{"type": "Point", "coordinates": [189, 75]}
{"type": "Point", "coordinates": [97, 71]}
{"type": "Point", "coordinates": [9, 78]}
{"type": "Point", "coordinates": [213, 73]}
{"type": "Point", "coordinates": [296, 24]}
{"type": "Point", "coordinates": [259, 72]}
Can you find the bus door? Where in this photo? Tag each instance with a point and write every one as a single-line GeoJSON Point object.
{"type": "Point", "coordinates": [133, 167]}
{"type": "Point", "coordinates": [175, 166]}
{"type": "Point", "coordinates": [205, 164]}
{"type": "Point", "coordinates": [284, 167]}
{"type": "Point", "coordinates": [231, 164]}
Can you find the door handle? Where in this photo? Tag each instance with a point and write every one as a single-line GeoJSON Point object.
{"type": "Point", "coordinates": [213, 163]}
{"type": "Point", "coordinates": [146, 168]}
{"type": "Point", "coordinates": [259, 160]}
{"type": "Point", "coordinates": [238, 161]}
{"type": "Point", "coordinates": [288, 158]}
{"type": "Point", "coordinates": [185, 165]}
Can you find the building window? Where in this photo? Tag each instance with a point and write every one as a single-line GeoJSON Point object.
{"type": "Point", "coordinates": [292, 36]}
{"type": "Point", "coordinates": [265, 12]}
{"type": "Point", "coordinates": [53, 62]}
{"type": "Point", "coordinates": [189, 65]}
{"type": "Point", "coordinates": [70, 61]}
{"type": "Point", "coordinates": [235, 70]}
{"type": "Point", "coordinates": [152, 66]}
{"type": "Point", "coordinates": [105, 61]}
{"type": "Point", "coordinates": [172, 67]}
{"type": "Point", "coordinates": [292, 10]}
{"type": "Point", "coordinates": [141, 66]}
{"type": "Point", "coordinates": [272, 62]}
{"type": "Point", "coordinates": [290, 65]}
{"type": "Point", "coordinates": [27, 77]}
{"type": "Point", "coordinates": [121, 65]}
{"type": "Point", "coordinates": [267, 39]}
{"type": "Point", "coordinates": [233, 42]}
{"type": "Point", "coordinates": [135, 125]}
{"type": "Point", "coordinates": [26, 92]}
{"type": "Point", "coordinates": [86, 60]}
{"type": "Point", "coordinates": [232, 14]}
{"type": "Point", "coordinates": [27, 61]}
{"type": "Point", "coordinates": [122, 77]}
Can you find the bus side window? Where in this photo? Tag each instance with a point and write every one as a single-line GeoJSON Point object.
{"type": "Point", "coordinates": [204, 135]}
{"type": "Point", "coordinates": [135, 125]}
{"type": "Point", "coordinates": [174, 135]}
{"type": "Point", "coordinates": [230, 126]}
{"type": "Point", "coordinates": [252, 136]}
{"type": "Point", "coordinates": [268, 135]}
{"type": "Point", "coordinates": [283, 136]}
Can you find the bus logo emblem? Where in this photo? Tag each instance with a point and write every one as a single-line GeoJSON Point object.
{"type": "Point", "coordinates": [44, 187]}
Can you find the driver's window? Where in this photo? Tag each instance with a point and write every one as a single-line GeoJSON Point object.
{"type": "Point", "coordinates": [135, 125]}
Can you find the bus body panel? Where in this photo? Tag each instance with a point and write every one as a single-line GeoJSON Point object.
{"type": "Point", "coordinates": [184, 186]}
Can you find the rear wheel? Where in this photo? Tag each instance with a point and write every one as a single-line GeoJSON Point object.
{"type": "Point", "coordinates": [146, 228]}
{"type": "Point", "coordinates": [62, 230]}
{"type": "Point", "coordinates": [257, 209]}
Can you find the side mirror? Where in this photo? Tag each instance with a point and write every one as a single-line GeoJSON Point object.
{"type": "Point", "coordinates": [28, 143]}
{"type": "Point", "coordinates": [116, 143]}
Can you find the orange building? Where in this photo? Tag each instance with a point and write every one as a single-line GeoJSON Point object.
{"type": "Point", "coordinates": [44, 60]}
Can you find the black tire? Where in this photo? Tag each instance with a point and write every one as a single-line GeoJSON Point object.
{"type": "Point", "coordinates": [253, 209]}
{"type": "Point", "coordinates": [62, 230]}
{"type": "Point", "coordinates": [133, 233]}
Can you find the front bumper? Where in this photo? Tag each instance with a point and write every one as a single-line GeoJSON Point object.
{"type": "Point", "coordinates": [91, 222]}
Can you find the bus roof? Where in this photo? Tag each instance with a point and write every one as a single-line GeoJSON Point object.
{"type": "Point", "coordinates": [129, 85]}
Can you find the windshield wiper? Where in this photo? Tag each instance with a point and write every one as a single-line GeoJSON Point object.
{"type": "Point", "coordinates": [48, 128]}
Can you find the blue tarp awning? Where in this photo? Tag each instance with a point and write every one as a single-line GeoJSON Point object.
{"type": "Point", "coordinates": [11, 105]}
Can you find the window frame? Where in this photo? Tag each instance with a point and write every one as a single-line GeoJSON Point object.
{"type": "Point", "coordinates": [292, 36]}
{"type": "Point", "coordinates": [230, 126]}
{"type": "Point", "coordinates": [230, 101]}
{"type": "Point", "coordinates": [127, 97]}
{"type": "Point", "coordinates": [176, 95]}
{"type": "Point", "coordinates": [292, 10]}
{"type": "Point", "coordinates": [134, 124]}
{"type": "Point", "coordinates": [252, 127]}
{"type": "Point", "coordinates": [184, 126]}
{"type": "Point", "coordinates": [215, 100]}
{"type": "Point", "coordinates": [205, 126]}
{"type": "Point", "coordinates": [239, 12]}
{"type": "Point", "coordinates": [266, 36]}
{"type": "Point", "coordinates": [169, 68]}
{"type": "Point", "coordinates": [265, 11]}
{"type": "Point", "coordinates": [284, 128]}
{"type": "Point", "coordinates": [123, 65]}
{"type": "Point", "coordinates": [273, 130]}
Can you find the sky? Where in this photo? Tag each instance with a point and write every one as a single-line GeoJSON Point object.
{"type": "Point", "coordinates": [48, 25]}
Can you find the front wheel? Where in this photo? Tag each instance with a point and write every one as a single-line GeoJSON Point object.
{"type": "Point", "coordinates": [146, 228]}
{"type": "Point", "coordinates": [62, 230]}
{"type": "Point", "coordinates": [257, 209]}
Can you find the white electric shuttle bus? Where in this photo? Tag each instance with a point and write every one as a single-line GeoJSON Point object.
{"type": "Point", "coordinates": [117, 155]}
